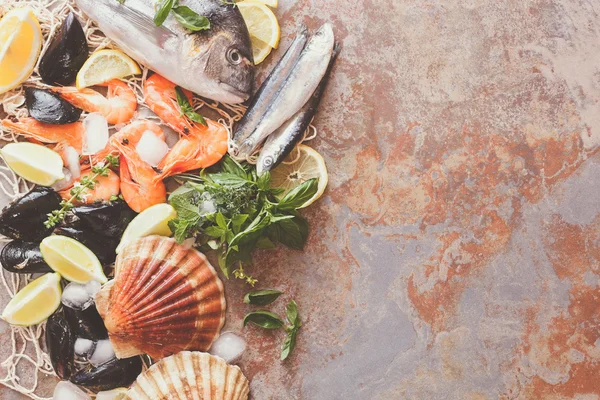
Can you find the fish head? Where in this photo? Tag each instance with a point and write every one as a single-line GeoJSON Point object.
{"type": "Point", "coordinates": [226, 64]}
{"type": "Point", "coordinates": [323, 38]}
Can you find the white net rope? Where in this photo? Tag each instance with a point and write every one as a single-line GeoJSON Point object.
{"type": "Point", "coordinates": [28, 356]}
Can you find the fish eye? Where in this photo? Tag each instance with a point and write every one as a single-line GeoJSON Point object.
{"type": "Point", "coordinates": [234, 57]}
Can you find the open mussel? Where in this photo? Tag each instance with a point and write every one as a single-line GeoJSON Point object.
{"type": "Point", "coordinates": [110, 375]}
{"type": "Point", "coordinates": [49, 107]}
{"type": "Point", "coordinates": [24, 218]}
{"type": "Point", "coordinates": [66, 54]}
{"type": "Point", "coordinates": [86, 324]}
{"type": "Point", "coordinates": [60, 342]}
{"type": "Point", "coordinates": [107, 218]}
{"type": "Point", "coordinates": [102, 246]}
{"type": "Point", "coordinates": [23, 258]}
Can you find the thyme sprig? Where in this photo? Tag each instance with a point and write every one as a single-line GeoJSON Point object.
{"type": "Point", "coordinates": [77, 192]}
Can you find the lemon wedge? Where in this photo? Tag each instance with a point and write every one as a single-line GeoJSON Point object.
{"type": "Point", "coordinates": [302, 164]}
{"type": "Point", "coordinates": [152, 221]}
{"type": "Point", "coordinates": [35, 302]}
{"type": "Point", "coordinates": [71, 259]}
{"type": "Point", "coordinates": [20, 46]}
{"type": "Point", "coordinates": [115, 394]}
{"type": "Point", "coordinates": [260, 50]}
{"type": "Point", "coordinates": [105, 65]}
{"type": "Point", "coordinates": [261, 22]}
{"type": "Point", "coordinates": [270, 3]}
{"type": "Point", "coordinates": [34, 162]}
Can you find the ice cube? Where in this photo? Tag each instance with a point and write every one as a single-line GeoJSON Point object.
{"type": "Point", "coordinates": [93, 287]}
{"type": "Point", "coordinates": [151, 149]}
{"type": "Point", "coordinates": [84, 347]}
{"type": "Point", "coordinates": [67, 391]}
{"type": "Point", "coordinates": [96, 133]}
{"type": "Point", "coordinates": [76, 296]}
{"type": "Point", "coordinates": [103, 353]}
{"type": "Point", "coordinates": [207, 206]}
{"type": "Point", "coordinates": [229, 347]}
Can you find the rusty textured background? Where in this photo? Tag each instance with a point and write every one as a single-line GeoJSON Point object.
{"type": "Point", "coordinates": [456, 254]}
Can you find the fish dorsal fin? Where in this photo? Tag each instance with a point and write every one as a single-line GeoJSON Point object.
{"type": "Point", "coordinates": [157, 34]}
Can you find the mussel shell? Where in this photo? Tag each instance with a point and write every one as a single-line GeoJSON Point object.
{"type": "Point", "coordinates": [66, 54]}
{"type": "Point", "coordinates": [60, 342]}
{"type": "Point", "coordinates": [86, 324]}
{"type": "Point", "coordinates": [103, 247]}
{"type": "Point", "coordinates": [110, 375]}
{"type": "Point", "coordinates": [23, 258]}
{"type": "Point", "coordinates": [24, 219]}
{"type": "Point", "coordinates": [49, 107]}
{"type": "Point", "coordinates": [107, 218]}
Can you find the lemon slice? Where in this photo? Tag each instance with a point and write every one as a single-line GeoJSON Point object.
{"type": "Point", "coordinates": [33, 162]}
{"type": "Point", "coordinates": [71, 259]}
{"type": "Point", "coordinates": [151, 221]}
{"type": "Point", "coordinates": [270, 3]}
{"type": "Point", "coordinates": [105, 65]}
{"type": "Point", "coordinates": [260, 50]}
{"type": "Point", "coordinates": [302, 164]}
{"type": "Point", "coordinates": [35, 302]}
{"type": "Point", "coordinates": [20, 46]}
{"type": "Point", "coordinates": [115, 394]}
{"type": "Point", "coordinates": [261, 22]}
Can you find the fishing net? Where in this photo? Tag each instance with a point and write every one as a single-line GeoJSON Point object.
{"type": "Point", "coordinates": [27, 362]}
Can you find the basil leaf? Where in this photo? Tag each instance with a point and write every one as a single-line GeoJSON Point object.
{"type": "Point", "coordinates": [299, 195]}
{"type": "Point", "coordinates": [227, 179]}
{"type": "Point", "coordinates": [220, 220]}
{"type": "Point", "coordinates": [289, 344]}
{"type": "Point", "coordinates": [238, 221]}
{"type": "Point", "coordinates": [262, 297]}
{"type": "Point", "coordinates": [222, 258]}
{"type": "Point", "coordinates": [265, 243]}
{"type": "Point", "coordinates": [164, 8]}
{"type": "Point", "coordinates": [264, 319]}
{"type": "Point", "coordinates": [213, 231]}
{"type": "Point", "coordinates": [191, 19]}
{"type": "Point", "coordinates": [292, 312]}
{"type": "Point", "coordinates": [233, 167]}
{"type": "Point", "coordinates": [264, 181]}
{"type": "Point", "coordinates": [259, 223]}
{"type": "Point", "coordinates": [291, 232]}
{"type": "Point", "coordinates": [186, 107]}
{"type": "Point", "coordinates": [281, 217]}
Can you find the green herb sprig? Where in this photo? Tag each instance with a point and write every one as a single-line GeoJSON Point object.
{"type": "Point", "coordinates": [232, 211]}
{"type": "Point", "coordinates": [186, 107]}
{"type": "Point", "coordinates": [187, 17]}
{"type": "Point", "coordinates": [86, 183]}
{"type": "Point", "coordinates": [268, 320]}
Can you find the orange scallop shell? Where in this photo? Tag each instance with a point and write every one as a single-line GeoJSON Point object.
{"type": "Point", "coordinates": [190, 375]}
{"type": "Point", "coordinates": [165, 298]}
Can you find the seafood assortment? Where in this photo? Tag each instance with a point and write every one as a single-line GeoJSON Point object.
{"type": "Point", "coordinates": [189, 375]}
{"type": "Point", "coordinates": [103, 211]}
{"type": "Point", "coordinates": [165, 298]}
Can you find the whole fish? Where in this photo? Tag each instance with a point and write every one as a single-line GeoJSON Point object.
{"type": "Point", "coordinates": [216, 63]}
{"type": "Point", "coordinates": [279, 144]}
{"type": "Point", "coordinates": [295, 92]}
{"type": "Point", "coordinates": [271, 86]}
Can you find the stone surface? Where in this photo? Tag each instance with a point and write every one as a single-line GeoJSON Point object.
{"type": "Point", "coordinates": [456, 254]}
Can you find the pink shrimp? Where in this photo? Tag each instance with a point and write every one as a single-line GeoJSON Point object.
{"type": "Point", "coordinates": [105, 188]}
{"type": "Point", "coordinates": [118, 107]}
{"type": "Point", "coordinates": [139, 184]}
{"type": "Point", "coordinates": [199, 146]}
{"type": "Point", "coordinates": [71, 134]}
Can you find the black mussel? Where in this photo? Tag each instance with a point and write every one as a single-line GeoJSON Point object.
{"type": "Point", "coordinates": [86, 324]}
{"type": "Point", "coordinates": [23, 258]}
{"type": "Point", "coordinates": [110, 375]}
{"type": "Point", "coordinates": [24, 218]}
{"type": "Point", "coordinates": [60, 342]}
{"type": "Point", "coordinates": [66, 54]}
{"type": "Point", "coordinates": [102, 246]}
{"type": "Point", "coordinates": [49, 107]}
{"type": "Point", "coordinates": [108, 218]}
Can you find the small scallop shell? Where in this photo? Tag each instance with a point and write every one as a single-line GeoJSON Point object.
{"type": "Point", "coordinates": [165, 298]}
{"type": "Point", "coordinates": [190, 376]}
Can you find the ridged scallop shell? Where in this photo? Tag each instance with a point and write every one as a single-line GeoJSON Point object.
{"type": "Point", "coordinates": [165, 298]}
{"type": "Point", "coordinates": [190, 376]}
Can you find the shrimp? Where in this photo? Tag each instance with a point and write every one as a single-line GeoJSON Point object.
{"type": "Point", "coordinates": [199, 146]}
{"type": "Point", "coordinates": [139, 184]}
{"type": "Point", "coordinates": [105, 188]}
{"type": "Point", "coordinates": [70, 134]}
{"type": "Point", "coordinates": [118, 107]}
